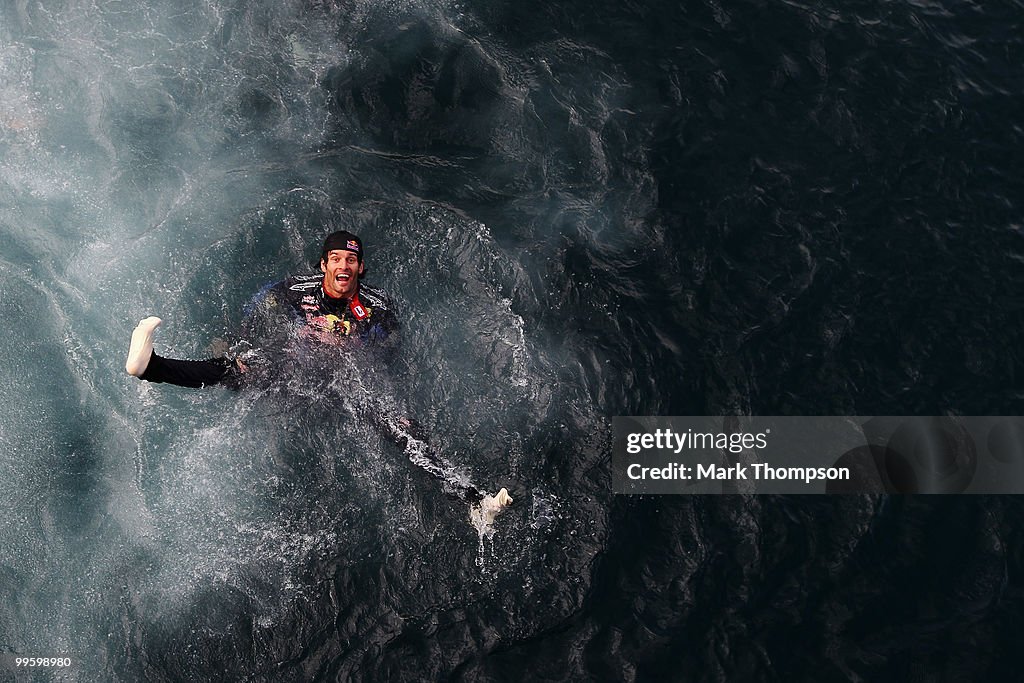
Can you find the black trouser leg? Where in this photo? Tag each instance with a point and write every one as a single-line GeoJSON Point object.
{"type": "Point", "coordinates": [189, 373]}
{"type": "Point", "coordinates": [414, 440]}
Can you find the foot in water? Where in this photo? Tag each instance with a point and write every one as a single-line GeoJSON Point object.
{"type": "Point", "coordinates": [141, 349]}
{"type": "Point", "coordinates": [496, 503]}
{"type": "Point", "coordinates": [490, 507]}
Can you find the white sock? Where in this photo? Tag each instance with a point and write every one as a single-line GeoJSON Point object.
{"type": "Point", "coordinates": [495, 503]}
{"type": "Point", "coordinates": [141, 349]}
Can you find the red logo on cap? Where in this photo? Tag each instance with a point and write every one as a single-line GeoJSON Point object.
{"type": "Point", "coordinates": [352, 245]}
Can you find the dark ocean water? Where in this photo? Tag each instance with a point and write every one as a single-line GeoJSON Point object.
{"type": "Point", "coordinates": [583, 210]}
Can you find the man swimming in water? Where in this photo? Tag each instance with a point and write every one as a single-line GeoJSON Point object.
{"type": "Point", "coordinates": [333, 308]}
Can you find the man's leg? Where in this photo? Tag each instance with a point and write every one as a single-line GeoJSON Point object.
{"type": "Point", "coordinates": [146, 365]}
{"type": "Point", "coordinates": [194, 374]}
{"type": "Point", "coordinates": [413, 439]}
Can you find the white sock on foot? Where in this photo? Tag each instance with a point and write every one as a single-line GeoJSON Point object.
{"type": "Point", "coordinates": [141, 349]}
{"type": "Point", "coordinates": [495, 503]}
{"type": "Point", "coordinates": [482, 514]}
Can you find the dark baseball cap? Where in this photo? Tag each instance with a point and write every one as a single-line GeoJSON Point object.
{"type": "Point", "coordinates": [344, 241]}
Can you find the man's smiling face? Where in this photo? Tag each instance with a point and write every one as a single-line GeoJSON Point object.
{"type": "Point", "coordinates": [341, 271]}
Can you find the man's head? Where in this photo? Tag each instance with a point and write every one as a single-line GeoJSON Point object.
{"type": "Point", "coordinates": [341, 262]}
